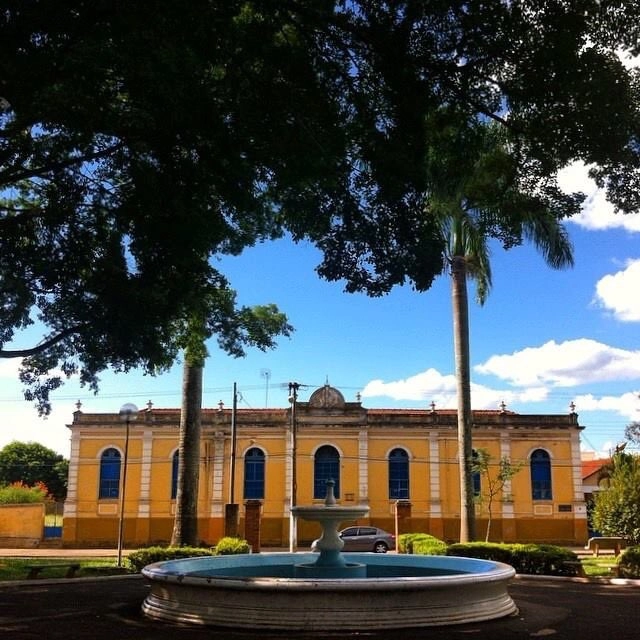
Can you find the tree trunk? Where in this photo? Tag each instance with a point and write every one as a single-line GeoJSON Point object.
{"type": "Point", "coordinates": [185, 526]}
{"type": "Point", "coordinates": [463, 385]}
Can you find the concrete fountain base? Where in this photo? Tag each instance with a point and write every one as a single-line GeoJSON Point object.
{"type": "Point", "coordinates": [257, 591]}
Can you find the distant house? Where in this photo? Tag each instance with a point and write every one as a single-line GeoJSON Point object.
{"type": "Point", "coordinates": [376, 457]}
{"type": "Point", "coordinates": [594, 475]}
{"type": "Point", "coordinates": [594, 479]}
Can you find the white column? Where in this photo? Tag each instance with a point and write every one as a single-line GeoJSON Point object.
{"type": "Point", "coordinates": [434, 476]}
{"type": "Point", "coordinates": [145, 474]}
{"type": "Point", "coordinates": [579, 505]}
{"type": "Point", "coordinates": [217, 473]}
{"type": "Point", "coordinates": [363, 466]}
{"type": "Point", "coordinates": [505, 452]}
{"type": "Point", "coordinates": [71, 501]}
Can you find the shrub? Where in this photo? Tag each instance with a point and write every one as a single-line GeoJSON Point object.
{"type": "Point", "coordinates": [20, 493]}
{"type": "Point", "coordinates": [483, 550]}
{"type": "Point", "coordinates": [139, 559]}
{"type": "Point", "coordinates": [229, 546]}
{"type": "Point", "coordinates": [423, 544]}
{"type": "Point", "coordinates": [629, 563]}
{"type": "Point", "coordinates": [544, 559]}
{"type": "Point", "coordinates": [531, 559]}
{"type": "Point", "coordinates": [405, 541]}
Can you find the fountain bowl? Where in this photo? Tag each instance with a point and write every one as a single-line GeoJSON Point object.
{"type": "Point", "coordinates": [261, 591]}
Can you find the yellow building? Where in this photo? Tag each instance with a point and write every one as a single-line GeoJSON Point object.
{"type": "Point", "coordinates": [376, 457]}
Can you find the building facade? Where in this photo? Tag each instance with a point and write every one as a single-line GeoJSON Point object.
{"type": "Point", "coordinates": [376, 457]}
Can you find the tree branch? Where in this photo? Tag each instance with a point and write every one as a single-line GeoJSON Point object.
{"type": "Point", "coordinates": [43, 346]}
{"type": "Point", "coordinates": [16, 176]}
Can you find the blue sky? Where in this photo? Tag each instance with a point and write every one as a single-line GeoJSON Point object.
{"type": "Point", "coordinates": [542, 340]}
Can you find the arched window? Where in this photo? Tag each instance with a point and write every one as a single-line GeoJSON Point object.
{"type": "Point", "coordinates": [476, 477]}
{"type": "Point", "coordinates": [326, 466]}
{"type": "Point", "coordinates": [254, 474]}
{"type": "Point", "coordinates": [540, 475]}
{"type": "Point", "coordinates": [174, 475]}
{"type": "Point", "coordinates": [399, 475]}
{"type": "Point", "coordinates": [110, 473]}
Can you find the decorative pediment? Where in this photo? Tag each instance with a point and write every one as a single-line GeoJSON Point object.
{"type": "Point", "coordinates": [326, 398]}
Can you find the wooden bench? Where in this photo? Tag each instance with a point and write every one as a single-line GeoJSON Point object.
{"type": "Point", "coordinates": [35, 569]}
{"type": "Point", "coordinates": [599, 543]}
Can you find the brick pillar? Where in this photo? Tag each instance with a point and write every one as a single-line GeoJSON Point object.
{"type": "Point", "coordinates": [403, 516]}
{"type": "Point", "coordinates": [252, 514]}
{"type": "Point", "coordinates": [231, 513]}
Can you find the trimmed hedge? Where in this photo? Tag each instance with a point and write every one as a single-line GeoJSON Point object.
{"type": "Point", "coordinates": [139, 559]}
{"type": "Point", "coordinates": [423, 544]}
{"type": "Point", "coordinates": [629, 563]}
{"type": "Point", "coordinates": [227, 546]}
{"type": "Point", "coordinates": [530, 559]}
{"type": "Point", "coordinates": [231, 546]}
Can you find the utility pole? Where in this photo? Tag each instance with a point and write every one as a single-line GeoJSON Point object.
{"type": "Point", "coordinates": [293, 398]}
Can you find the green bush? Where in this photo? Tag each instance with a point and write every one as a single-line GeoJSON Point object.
{"type": "Point", "coordinates": [531, 559]}
{"type": "Point", "coordinates": [629, 563]}
{"type": "Point", "coordinates": [421, 543]}
{"type": "Point", "coordinates": [231, 546]}
{"type": "Point", "coordinates": [482, 550]}
{"type": "Point", "coordinates": [404, 543]}
{"type": "Point", "coordinates": [544, 559]}
{"type": "Point", "coordinates": [19, 493]}
{"type": "Point", "coordinates": [136, 560]}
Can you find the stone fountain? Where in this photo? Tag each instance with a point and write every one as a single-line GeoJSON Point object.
{"type": "Point", "coordinates": [330, 563]}
{"type": "Point", "coordinates": [328, 591]}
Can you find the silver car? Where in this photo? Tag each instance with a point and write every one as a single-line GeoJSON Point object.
{"type": "Point", "coordinates": [365, 539]}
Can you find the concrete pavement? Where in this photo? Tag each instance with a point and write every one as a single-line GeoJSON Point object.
{"type": "Point", "coordinates": [109, 609]}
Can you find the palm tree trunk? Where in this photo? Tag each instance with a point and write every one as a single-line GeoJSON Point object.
{"type": "Point", "coordinates": [185, 526]}
{"type": "Point", "coordinates": [460, 306]}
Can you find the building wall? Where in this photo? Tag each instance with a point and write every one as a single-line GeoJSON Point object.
{"type": "Point", "coordinates": [21, 525]}
{"type": "Point", "coordinates": [364, 439]}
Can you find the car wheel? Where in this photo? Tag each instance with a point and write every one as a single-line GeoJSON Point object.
{"type": "Point", "coordinates": [380, 547]}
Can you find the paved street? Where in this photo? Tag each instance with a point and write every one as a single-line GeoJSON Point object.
{"type": "Point", "coordinates": [109, 609]}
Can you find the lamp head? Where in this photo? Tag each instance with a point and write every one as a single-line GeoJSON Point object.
{"type": "Point", "coordinates": [128, 412]}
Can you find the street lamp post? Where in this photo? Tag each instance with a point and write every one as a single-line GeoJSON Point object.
{"type": "Point", "coordinates": [128, 413]}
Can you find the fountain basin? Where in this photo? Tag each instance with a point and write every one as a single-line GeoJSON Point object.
{"type": "Point", "coordinates": [260, 591]}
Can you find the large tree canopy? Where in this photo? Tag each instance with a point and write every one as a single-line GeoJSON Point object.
{"type": "Point", "coordinates": [138, 140]}
{"type": "Point", "coordinates": [548, 73]}
{"type": "Point", "coordinates": [31, 463]}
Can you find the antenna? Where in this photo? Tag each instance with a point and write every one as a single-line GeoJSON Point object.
{"type": "Point", "coordinates": [266, 374]}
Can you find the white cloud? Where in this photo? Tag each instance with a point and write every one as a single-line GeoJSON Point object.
{"type": "Point", "coordinates": [423, 386]}
{"type": "Point", "coordinates": [625, 405]}
{"type": "Point", "coordinates": [431, 386]}
{"type": "Point", "coordinates": [618, 292]}
{"type": "Point", "coordinates": [566, 364]}
{"type": "Point", "coordinates": [597, 214]}
{"type": "Point", "coordinates": [9, 368]}
{"type": "Point", "coordinates": [19, 421]}
{"type": "Point", "coordinates": [628, 60]}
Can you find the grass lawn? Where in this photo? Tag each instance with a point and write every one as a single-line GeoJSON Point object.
{"type": "Point", "coordinates": [598, 566]}
{"type": "Point", "coordinates": [17, 568]}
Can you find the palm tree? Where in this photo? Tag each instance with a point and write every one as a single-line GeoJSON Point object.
{"type": "Point", "coordinates": [235, 329]}
{"type": "Point", "coordinates": [481, 196]}
{"type": "Point", "coordinates": [185, 524]}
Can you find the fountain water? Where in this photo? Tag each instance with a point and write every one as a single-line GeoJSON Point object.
{"type": "Point", "coordinates": [327, 591]}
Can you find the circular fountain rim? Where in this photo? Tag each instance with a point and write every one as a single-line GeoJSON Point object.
{"type": "Point", "coordinates": [491, 572]}
{"type": "Point", "coordinates": [327, 604]}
